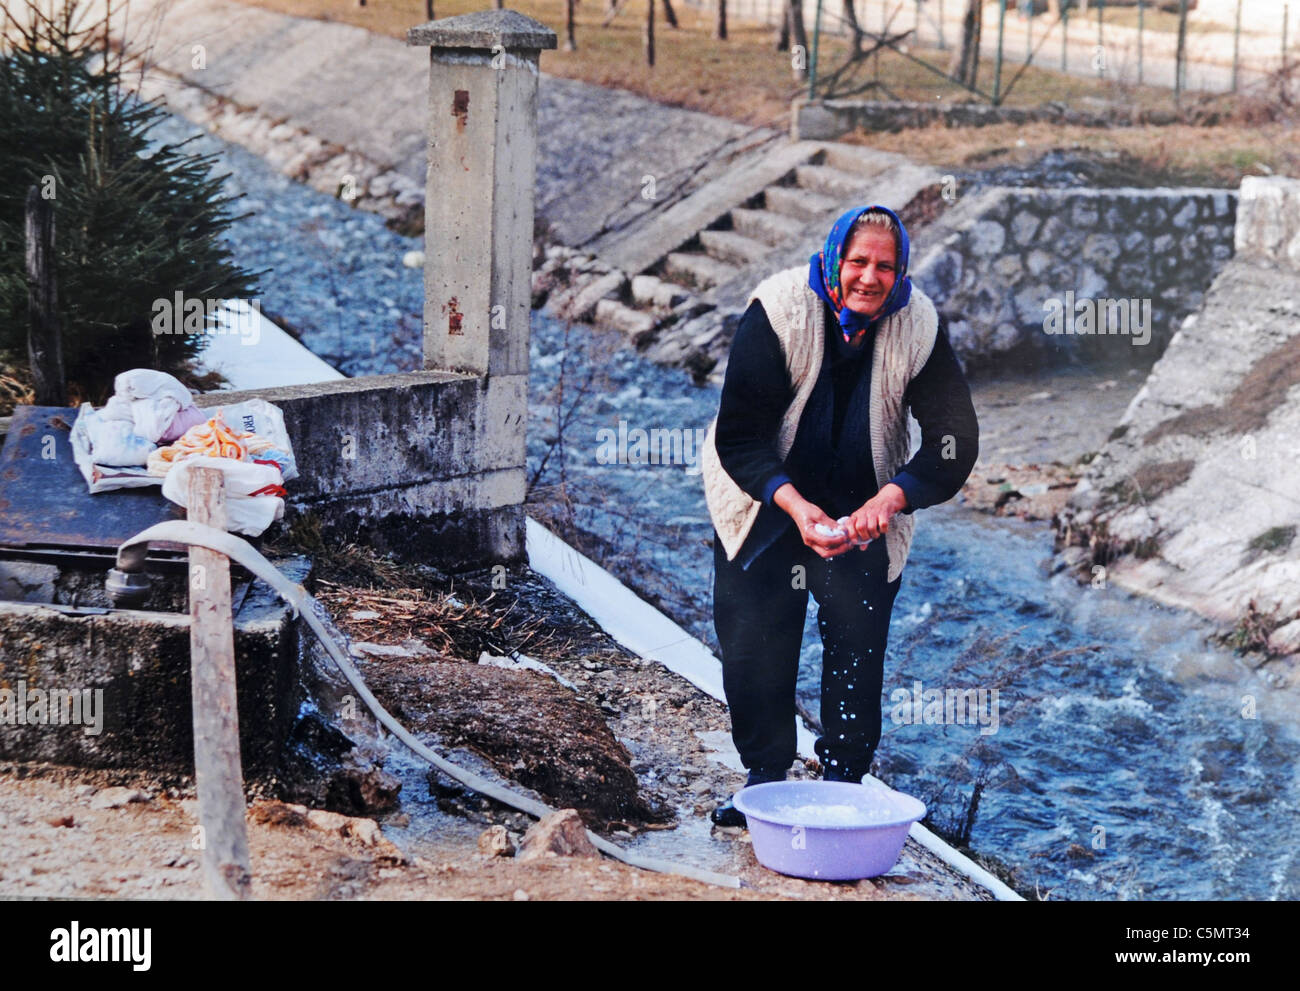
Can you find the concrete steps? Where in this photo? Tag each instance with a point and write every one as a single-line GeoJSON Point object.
{"type": "Point", "coordinates": [696, 270]}
{"type": "Point", "coordinates": [733, 247]}
{"type": "Point", "coordinates": [763, 225]}
{"type": "Point", "coordinates": [797, 202]}
{"type": "Point", "coordinates": [693, 263]}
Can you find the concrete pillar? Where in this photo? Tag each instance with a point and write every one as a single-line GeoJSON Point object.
{"type": "Point", "coordinates": [482, 174]}
{"type": "Point", "coordinates": [478, 246]}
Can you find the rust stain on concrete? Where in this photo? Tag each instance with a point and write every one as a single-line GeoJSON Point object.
{"type": "Point", "coordinates": [460, 108]}
{"type": "Point", "coordinates": [454, 316]}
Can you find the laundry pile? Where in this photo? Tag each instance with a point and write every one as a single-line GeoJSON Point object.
{"type": "Point", "coordinates": [150, 431]}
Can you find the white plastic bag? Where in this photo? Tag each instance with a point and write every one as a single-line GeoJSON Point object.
{"type": "Point", "coordinates": [253, 491]}
{"type": "Point", "coordinates": [265, 420]}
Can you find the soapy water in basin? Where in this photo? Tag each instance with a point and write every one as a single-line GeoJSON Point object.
{"type": "Point", "coordinates": [814, 814]}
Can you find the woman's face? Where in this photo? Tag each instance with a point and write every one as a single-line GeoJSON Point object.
{"type": "Point", "coordinates": [868, 270]}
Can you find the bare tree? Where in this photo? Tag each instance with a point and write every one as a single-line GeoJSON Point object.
{"type": "Point", "coordinates": [792, 26]}
{"type": "Point", "coordinates": [965, 64]}
{"type": "Point", "coordinates": [570, 39]}
{"type": "Point", "coordinates": [670, 15]}
{"type": "Point", "coordinates": [851, 18]}
{"type": "Point", "coordinates": [428, 9]}
{"type": "Point", "coordinates": [720, 24]}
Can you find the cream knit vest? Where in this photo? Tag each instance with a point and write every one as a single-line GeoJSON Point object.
{"type": "Point", "coordinates": [902, 346]}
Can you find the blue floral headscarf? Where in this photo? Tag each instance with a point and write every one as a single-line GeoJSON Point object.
{"type": "Point", "coordinates": [824, 275]}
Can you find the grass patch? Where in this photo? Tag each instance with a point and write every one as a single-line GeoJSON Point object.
{"type": "Point", "coordinates": [1274, 540]}
{"type": "Point", "coordinates": [1152, 480]}
{"type": "Point", "coordinates": [1251, 632]}
{"type": "Point", "coordinates": [1261, 391]}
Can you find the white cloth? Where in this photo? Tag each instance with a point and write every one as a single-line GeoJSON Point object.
{"type": "Point", "coordinates": [149, 399]}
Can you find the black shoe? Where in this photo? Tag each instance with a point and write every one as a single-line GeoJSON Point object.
{"type": "Point", "coordinates": [727, 814]}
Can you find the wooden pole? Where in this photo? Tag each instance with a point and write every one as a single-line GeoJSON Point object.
{"type": "Point", "coordinates": [218, 773]}
{"type": "Point", "coordinates": [1141, 27]}
{"type": "Point", "coordinates": [1101, 41]}
{"type": "Point", "coordinates": [44, 334]}
{"type": "Point", "coordinates": [1236, 47]}
{"type": "Point", "coordinates": [997, 65]}
{"type": "Point", "coordinates": [650, 33]}
{"type": "Point", "coordinates": [1180, 58]}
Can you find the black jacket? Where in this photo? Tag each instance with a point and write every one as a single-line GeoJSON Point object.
{"type": "Point", "coordinates": [830, 461]}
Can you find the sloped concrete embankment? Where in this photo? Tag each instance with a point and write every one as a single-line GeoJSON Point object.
{"type": "Point", "coordinates": [1195, 499]}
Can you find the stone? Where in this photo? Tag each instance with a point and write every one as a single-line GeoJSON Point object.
{"type": "Point", "coordinates": [945, 274]}
{"type": "Point", "coordinates": [1084, 212]}
{"type": "Point", "coordinates": [582, 305]}
{"type": "Point", "coordinates": [1101, 250]}
{"type": "Point", "coordinates": [1024, 226]}
{"type": "Point", "coordinates": [1008, 267]}
{"type": "Point", "coordinates": [1185, 215]}
{"type": "Point", "coordinates": [365, 831]}
{"type": "Point", "coordinates": [986, 238]}
{"type": "Point", "coordinates": [495, 842]}
{"type": "Point", "coordinates": [1037, 262]}
{"type": "Point", "coordinates": [559, 834]}
{"type": "Point", "coordinates": [636, 324]}
{"type": "Point", "coordinates": [116, 798]}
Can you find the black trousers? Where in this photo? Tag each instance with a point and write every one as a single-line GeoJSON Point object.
{"type": "Point", "coordinates": [759, 614]}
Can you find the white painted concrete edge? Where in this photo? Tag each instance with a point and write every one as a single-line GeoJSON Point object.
{"type": "Point", "coordinates": [643, 629]}
{"type": "Point", "coordinates": [254, 353]}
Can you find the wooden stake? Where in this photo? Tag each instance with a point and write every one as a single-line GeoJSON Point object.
{"type": "Point", "coordinates": [44, 335]}
{"type": "Point", "coordinates": [218, 772]}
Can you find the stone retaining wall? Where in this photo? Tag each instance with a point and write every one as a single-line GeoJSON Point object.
{"type": "Point", "coordinates": [825, 120]}
{"type": "Point", "coordinates": [1003, 254]}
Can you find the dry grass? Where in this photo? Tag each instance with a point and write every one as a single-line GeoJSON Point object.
{"type": "Point", "coordinates": [747, 80]}
{"type": "Point", "coordinates": [1179, 154]}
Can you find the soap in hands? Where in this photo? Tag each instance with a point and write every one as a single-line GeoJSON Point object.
{"type": "Point", "coordinates": [827, 531]}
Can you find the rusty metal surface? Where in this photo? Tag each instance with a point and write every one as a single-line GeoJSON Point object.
{"type": "Point", "coordinates": [43, 498]}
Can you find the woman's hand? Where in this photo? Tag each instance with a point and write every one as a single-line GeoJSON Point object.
{"type": "Point", "coordinates": [872, 518]}
{"type": "Point", "coordinates": [807, 516]}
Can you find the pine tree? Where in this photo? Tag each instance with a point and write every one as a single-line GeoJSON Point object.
{"type": "Point", "coordinates": [134, 223]}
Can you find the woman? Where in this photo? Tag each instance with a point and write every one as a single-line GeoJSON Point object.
{"type": "Point", "coordinates": [807, 488]}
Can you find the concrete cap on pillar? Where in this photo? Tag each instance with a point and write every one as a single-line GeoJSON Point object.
{"type": "Point", "coordinates": [484, 29]}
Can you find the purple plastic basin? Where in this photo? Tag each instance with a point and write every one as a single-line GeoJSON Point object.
{"type": "Point", "coordinates": [829, 830]}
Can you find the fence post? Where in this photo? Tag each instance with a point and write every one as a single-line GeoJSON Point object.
{"type": "Point", "coordinates": [997, 69]}
{"type": "Point", "coordinates": [1065, 35]}
{"type": "Point", "coordinates": [1141, 25]}
{"type": "Point", "coordinates": [1101, 41]}
{"type": "Point", "coordinates": [1236, 47]}
{"type": "Point", "coordinates": [1286, 13]}
{"type": "Point", "coordinates": [817, 37]}
{"type": "Point", "coordinates": [1028, 7]}
{"type": "Point", "coordinates": [1180, 57]}
{"type": "Point", "coordinates": [218, 774]}
{"type": "Point", "coordinates": [44, 332]}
